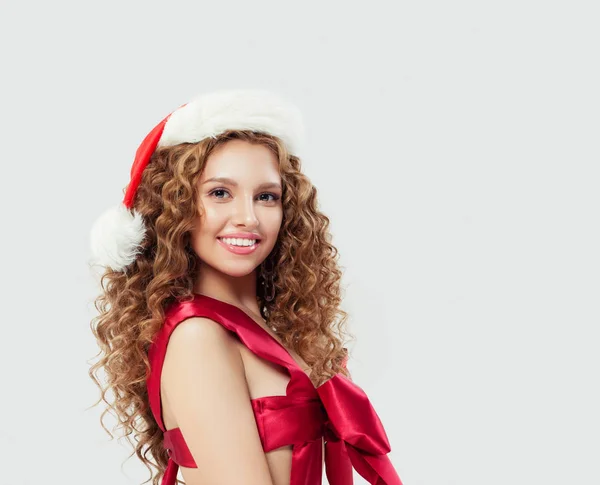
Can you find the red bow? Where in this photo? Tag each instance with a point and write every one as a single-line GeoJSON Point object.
{"type": "Point", "coordinates": [354, 436]}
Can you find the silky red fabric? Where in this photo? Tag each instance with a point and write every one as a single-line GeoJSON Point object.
{"type": "Point", "coordinates": [338, 410]}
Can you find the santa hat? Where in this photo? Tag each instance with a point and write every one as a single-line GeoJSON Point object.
{"type": "Point", "coordinates": [117, 234]}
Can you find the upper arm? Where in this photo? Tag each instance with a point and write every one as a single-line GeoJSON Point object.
{"type": "Point", "coordinates": [205, 384]}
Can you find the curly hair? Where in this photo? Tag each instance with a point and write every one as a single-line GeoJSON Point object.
{"type": "Point", "coordinates": [305, 314]}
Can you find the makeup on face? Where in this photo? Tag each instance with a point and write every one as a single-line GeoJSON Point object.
{"type": "Point", "coordinates": [241, 191]}
{"type": "Point", "coordinates": [239, 245]}
{"type": "Point", "coordinates": [242, 243]}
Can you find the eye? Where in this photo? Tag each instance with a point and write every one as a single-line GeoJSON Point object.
{"type": "Point", "coordinates": [217, 190]}
{"type": "Point", "coordinates": [275, 196]}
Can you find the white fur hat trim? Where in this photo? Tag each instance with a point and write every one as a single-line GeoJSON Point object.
{"type": "Point", "coordinates": [116, 237]}
{"type": "Point", "coordinates": [210, 114]}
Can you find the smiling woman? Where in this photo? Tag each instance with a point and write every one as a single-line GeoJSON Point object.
{"type": "Point", "coordinates": [220, 325]}
{"type": "Point", "coordinates": [240, 213]}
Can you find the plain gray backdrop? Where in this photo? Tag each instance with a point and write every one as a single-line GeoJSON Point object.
{"type": "Point", "coordinates": [454, 146]}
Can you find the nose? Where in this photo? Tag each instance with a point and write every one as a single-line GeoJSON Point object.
{"type": "Point", "coordinates": [245, 214]}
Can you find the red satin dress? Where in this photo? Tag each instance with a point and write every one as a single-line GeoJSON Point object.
{"type": "Point", "coordinates": [337, 410]}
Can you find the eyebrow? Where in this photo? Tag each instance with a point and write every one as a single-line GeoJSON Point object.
{"type": "Point", "coordinates": [226, 180]}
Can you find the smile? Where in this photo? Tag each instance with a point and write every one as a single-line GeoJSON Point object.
{"type": "Point", "coordinates": [239, 249]}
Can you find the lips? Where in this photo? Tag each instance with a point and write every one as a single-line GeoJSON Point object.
{"type": "Point", "coordinates": [239, 249]}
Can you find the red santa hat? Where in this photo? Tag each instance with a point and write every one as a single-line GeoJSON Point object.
{"type": "Point", "coordinates": [117, 234]}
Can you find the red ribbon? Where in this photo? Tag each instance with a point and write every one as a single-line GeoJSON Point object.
{"type": "Point", "coordinates": [354, 436]}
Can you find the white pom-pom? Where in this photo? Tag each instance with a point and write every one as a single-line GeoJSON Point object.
{"type": "Point", "coordinates": [116, 236]}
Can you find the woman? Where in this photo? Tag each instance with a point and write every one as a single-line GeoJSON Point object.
{"type": "Point", "coordinates": [220, 329]}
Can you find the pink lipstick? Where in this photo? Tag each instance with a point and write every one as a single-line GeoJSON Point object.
{"type": "Point", "coordinates": [239, 249]}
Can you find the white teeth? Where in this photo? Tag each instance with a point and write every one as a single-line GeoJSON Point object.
{"type": "Point", "coordinates": [238, 241]}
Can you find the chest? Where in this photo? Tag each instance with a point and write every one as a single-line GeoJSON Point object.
{"type": "Point", "coordinates": [265, 378]}
{"type": "Point", "coordinates": [296, 357]}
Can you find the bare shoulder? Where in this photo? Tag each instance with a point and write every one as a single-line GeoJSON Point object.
{"type": "Point", "coordinates": [201, 344]}
{"type": "Point", "coordinates": [201, 327]}
{"type": "Point", "coordinates": [204, 382]}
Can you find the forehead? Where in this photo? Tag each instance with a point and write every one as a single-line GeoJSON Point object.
{"type": "Point", "coordinates": [243, 162]}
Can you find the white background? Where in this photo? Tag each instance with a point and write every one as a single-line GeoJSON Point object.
{"type": "Point", "coordinates": [455, 148]}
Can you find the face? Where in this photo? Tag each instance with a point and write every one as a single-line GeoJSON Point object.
{"type": "Point", "coordinates": [244, 204]}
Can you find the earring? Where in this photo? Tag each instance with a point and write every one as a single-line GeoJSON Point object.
{"type": "Point", "coordinates": [268, 277]}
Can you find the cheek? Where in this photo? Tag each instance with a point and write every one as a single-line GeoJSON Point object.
{"type": "Point", "coordinates": [204, 244]}
{"type": "Point", "coordinates": [211, 218]}
{"type": "Point", "coordinates": [272, 226]}
{"type": "Point", "coordinates": [274, 219]}
{"type": "Point", "coordinates": [205, 230]}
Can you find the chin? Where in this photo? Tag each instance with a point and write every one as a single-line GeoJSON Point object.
{"type": "Point", "coordinates": [239, 270]}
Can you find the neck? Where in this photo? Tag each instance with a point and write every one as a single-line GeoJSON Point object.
{"type": "Point", "coordinates": [236, 290]}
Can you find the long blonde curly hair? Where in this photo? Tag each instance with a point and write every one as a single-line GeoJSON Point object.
{"type": "Point", "coordinates": [305, 314]}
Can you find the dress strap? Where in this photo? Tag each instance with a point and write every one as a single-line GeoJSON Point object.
{"type": "Point", "coordinates": [234, 319]}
